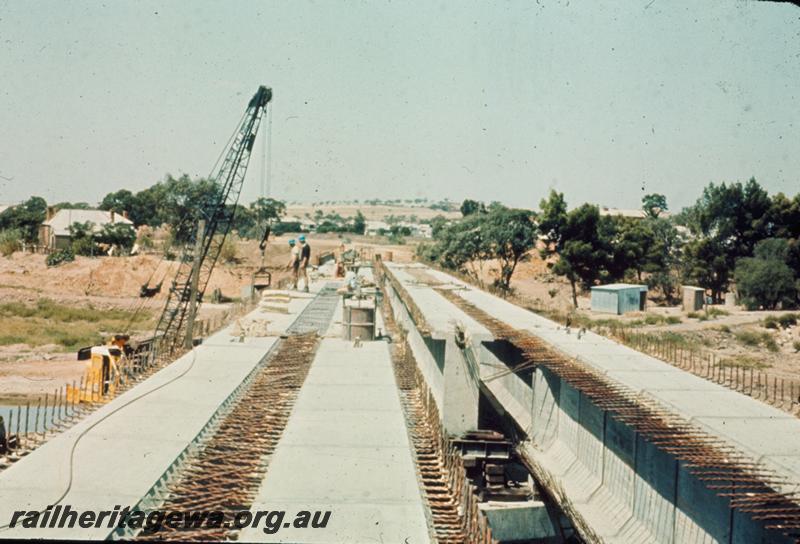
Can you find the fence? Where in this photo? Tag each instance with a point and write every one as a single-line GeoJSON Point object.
{"type": "Point", "coordinates": [27, 427]}
{"type": "Point", "coordinates": [778, 391]}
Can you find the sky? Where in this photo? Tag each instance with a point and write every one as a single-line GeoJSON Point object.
{"type": "Point", "coordinates": [604, 101]}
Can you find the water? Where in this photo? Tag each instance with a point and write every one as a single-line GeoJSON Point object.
{"type": "Point", "coordinates": [45, 419]}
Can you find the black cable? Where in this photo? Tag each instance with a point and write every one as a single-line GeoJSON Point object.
{"type": "Point", "coordinates": [99, 421]}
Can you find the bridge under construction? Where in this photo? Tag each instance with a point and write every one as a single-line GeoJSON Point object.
{"type": "Point", "coordinates": [407, 406]}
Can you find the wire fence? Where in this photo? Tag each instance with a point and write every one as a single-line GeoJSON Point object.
{"type": "Point", "coordinates": [25, 427]}
{"type": "Point", "coordinates": [727, 371]}
{"type": "Point", "coordinates": [739, 375]}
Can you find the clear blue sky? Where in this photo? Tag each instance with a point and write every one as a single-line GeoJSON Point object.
{"type": "Point", "coordinates": [491, 100]}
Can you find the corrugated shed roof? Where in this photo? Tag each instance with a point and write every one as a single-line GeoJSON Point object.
{"type": "Point", "coordinates": [63, 218]}
{"type": "Point", "coordinates": [619, 286]}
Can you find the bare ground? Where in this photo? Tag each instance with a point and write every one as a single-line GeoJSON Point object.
{"type": "Point", "coordinates": [105, 283]}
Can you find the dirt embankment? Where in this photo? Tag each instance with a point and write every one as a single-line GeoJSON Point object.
{"type": "Point", "coordinates": [30, 369]}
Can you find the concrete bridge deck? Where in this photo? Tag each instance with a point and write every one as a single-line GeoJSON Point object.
{"type": "Point", "coordinates": [122, 449]}
{"type": "Point", "coordinates": [346, 450]}
{"type": "Point", "coordinates": [618, 486]}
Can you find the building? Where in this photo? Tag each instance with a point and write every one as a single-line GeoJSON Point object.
{"type": "Point", "coordinates": [631, 213]}
{"type": "Point", "coordinates": [306, 225]}
{"type": "Point", "coordinates": [619, 298]}
{"type": "Point", "coordinates": [693, 298]}
{"type": "Point", "coordinates": [376, 228]}
{"type": "Point", "coordinates": [54, 232]}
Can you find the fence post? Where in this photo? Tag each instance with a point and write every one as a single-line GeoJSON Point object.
{"type": "Point", "coordinates": [44, 417]}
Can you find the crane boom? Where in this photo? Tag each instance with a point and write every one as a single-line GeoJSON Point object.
{"type": "Point", "coordinates": [204, 252]}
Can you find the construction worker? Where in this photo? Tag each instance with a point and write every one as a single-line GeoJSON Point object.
{"type": "Point", "coordinates": [305, 257]}
{"type": "Point", "coordinates": [294, 261]}
{"type": "Point", "coordinates": [340, 261]}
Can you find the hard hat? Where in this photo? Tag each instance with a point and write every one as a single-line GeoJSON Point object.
{"type": "Point", "coordinates": [291, 241]}
{"type": "Point", "coordinates": [302, 238]}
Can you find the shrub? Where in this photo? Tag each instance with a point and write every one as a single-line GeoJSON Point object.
{"type": "Point", "coordinates": [83, 242]}
{"type": "Point", "coordinates": [764, 283]}
{"type": "Point", "coordinates": [724, 328]}
{"type": "Point", "coordinates": [753, 338]}
{"type": "Point", "coordinates": [83, 246]}
{"type": "Point", "coordinates": [748, 338]}
{"type": "Point", "coordinates": [716, 312]}
{"type": "Point", "coordinates": [692, 315]}
{"type": "Point", "coordinates": [796, 345]}
{"type": "Point", "coordinates": [744, 361]}
{"type": "Point", "coordinates": [61, 256]}
{"type": "Point", "coordinates": [9, 241]}
{"type": "Point", "coordinates": [787, 320]}
{"type": "Point", "coordinates": [653, 319]}
{"type": "Point", "coordinates": [769, 343]}
{"type": "Point", "coordinates": [673, 320]}
{"type": "Point", "coordinates": [771, 322]}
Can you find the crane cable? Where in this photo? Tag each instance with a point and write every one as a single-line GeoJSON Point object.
{"type": "Point", "coordinates": [138, 305]}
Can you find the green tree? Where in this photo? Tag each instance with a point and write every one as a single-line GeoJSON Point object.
{"type": "Point", "coordinates": [463, 246]}
{"type": "Point", "coordinates": [765, 280]}
{"type": "Point", "coordinates": [785, 216]}
{"type": "Point", "coordinates": [121, 235]}
{"type": "Point", "coordinates": [469, 207]}
{"type": "Point", "coordinates": [552, 222]}
{"type": "Point", "coordinates": [737, 216]}
{"type": "Point", "coordinates": [582, 254]}
{"type": "Point", "coordinates": [654, 204]}
{"type": "Point", "coordinates": [82, 238]}
{"type": "Point", "coordinates": [707, 265]}
{"type": "Point", "coordinates": [359, 223]}
{"type": "Point", "coordinates": [510, 235]}
{"type": "Point", "coordinates": [268, 210]}
{"type": "Point", "coordinates": [663, 257]}
{"type": "Point", "coordinates": [25, 218]}
{"type": "Point", "coordinates": [120, 201]}
{"type": "Point", "coordinates": [437, 224]}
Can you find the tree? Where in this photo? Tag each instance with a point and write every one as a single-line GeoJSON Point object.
{"type": "Point", "coordinates": [268, 210]}
{"type": "Point", "coordinates": [510, 235]}
{"type": "Point", "coordinates": [25, 218]}
{"type": "Point", "coordinates": [727, 221]}
{"type": "Point", "coordinates": [653, 204]}
{"type": "Point", "coordinates": [737, 216]}
{"type": "Point", "coordinates": [469, 207]}
{"type": "Point", "coordinates": [119, 201]}
{"type": "Point", "coordinates": [82, 238]}
{"type": "Point", "coordinates": [359, 223]}
{"type": "Point", "coordinates": [437, 224]}
{"type": "Point", "coordinates": [785, 216]}
{"type": "Point", "coordinates": [765, 280]}
{"type": "Point", "coordinates": [552, 221]}
{"type": "Point", "coordinates": [582, 255]}
{"type": "Point", "coordinates": [121, 235]}
{"type": "Point", "coordinates": [663, 257]}
{"type": "Point", "coordinates": [706, 265]}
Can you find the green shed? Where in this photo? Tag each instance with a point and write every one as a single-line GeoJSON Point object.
{"type": "Point", "coordinates": [619, 298]}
